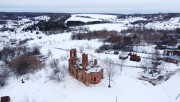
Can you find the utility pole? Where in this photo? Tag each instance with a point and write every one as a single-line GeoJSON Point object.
{"type": "Point", "coordinates": [177, 96]}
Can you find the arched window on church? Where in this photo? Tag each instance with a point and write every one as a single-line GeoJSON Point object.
{"type": "Point", "coordinates": [94, 79]}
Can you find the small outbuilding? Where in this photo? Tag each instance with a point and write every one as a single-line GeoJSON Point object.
{"type": "Point", "coordinates": [5, 99]}
{"type": "Point", "coordinates": [136, 58]}
{"type": "Point", "coordinates": [123, 57]}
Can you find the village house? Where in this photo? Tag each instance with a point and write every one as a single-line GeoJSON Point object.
{"type": "Point", "coordinates": [173, 59]}
{"type": "Point", "coordinates": [88, 72]}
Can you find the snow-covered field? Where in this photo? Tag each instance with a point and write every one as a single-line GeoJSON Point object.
{"type": "Point", "coordinates": [171, 24]}
{"type": "Point", "coordinates": [126, 87]}
{"type": "Point", "coordinates": [91, 17]}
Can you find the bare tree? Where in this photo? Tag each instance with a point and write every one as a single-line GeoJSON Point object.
{"type": "Point", "coordinates": [155, 62]}
{"type": "Point", "coordinates": [153, 65]}
{"type": "Point", "coordinates": [110, 70]}
{"type": "Point", "coordinates": [54, 64]}
{"type": "Point", "coordinates": [49, 53]}
{"type": "Point", "coordinates": [122, 61]}
{"type": "Point", "coordinates": [59, 72]}
{"type": "Point", "coordinates": [145, 65]}
{"type": "Point", "coordinates": [162, 67]}
{"type": "Point", "coordinates": [82, 29]}
{"type": "Point", "coordinates": [58, 77]}
{"type": "Point", "coordinates": [3, 77]}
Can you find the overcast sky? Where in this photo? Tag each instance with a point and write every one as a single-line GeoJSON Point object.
{"type": "Point", "coordinates": [91, 6]}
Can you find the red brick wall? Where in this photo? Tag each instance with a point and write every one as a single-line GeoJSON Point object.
{"type": "Point", "coordinates": [80, 74]}
{"type": "Point", "coordinates": [84, 60]}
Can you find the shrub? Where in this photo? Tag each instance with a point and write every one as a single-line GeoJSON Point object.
{"type": "Point", "coordinates": [3, 78]}
{"type": "Point", "coordinates": [2, 81]}
{"type": "Point", "coordinates": [26, 63]}
{"type": "Point", "coordinates": [36, 50]}
{"type": "Point", "coordinates": [8, 53]}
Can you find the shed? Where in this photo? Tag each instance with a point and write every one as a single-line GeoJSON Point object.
{"type": "Point", "coordinates": [5, 99]}
{"type": "Point", "coordinates": [135, 58]}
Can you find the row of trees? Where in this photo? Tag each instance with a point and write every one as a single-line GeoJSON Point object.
{"type": "Point", "coordinates": [126, 39]}
{"type": "Point", "coordinates": [102, 34]}
{"type": "Point", "coordinates": [54, 25]}
{"type": "Point", "coordinates": [80, 23]}
{"type": "Point", "coordinates": [152, 36]}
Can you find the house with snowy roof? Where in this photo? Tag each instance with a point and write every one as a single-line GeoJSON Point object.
{"type": "Point", "coordinates": [88, 72]}
{"type": "Point", "coordinates": [173, 59]}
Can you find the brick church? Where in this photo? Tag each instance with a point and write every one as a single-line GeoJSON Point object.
{"type": "Point", "coordinates": [83, 70]}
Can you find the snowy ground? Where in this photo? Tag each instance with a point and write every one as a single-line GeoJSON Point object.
{"type": "Point", "coordinates": [119, 24]}
{"type": "Point", "coordinates": [91, 17]}
{"type": "Point", "coordinates": [125, 86]}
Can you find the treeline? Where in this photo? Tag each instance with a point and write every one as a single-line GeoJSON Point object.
{"type": "Point", "coordinates": [20, 15]}
{"type": "Point", "coordinates": [56, 24]}
{"type": "Point", "coordinates": [126, 39]}
{"type": "Point", "coordinates": [116, 40]}
{"type": "Point", "coordinates": [102, 34]}
{"type": "Point", "coordinates": [153, 17]}
{"type": "Point", "coordinates": [80, 23]}
{"type": "Point", "coordinates": [152, 36]}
